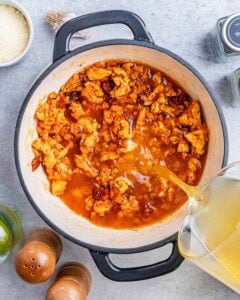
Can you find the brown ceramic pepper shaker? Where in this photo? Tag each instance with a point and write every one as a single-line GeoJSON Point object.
{"type": "Point", "coordinates": [72, 283]}
{"type": "Point", "coordinates": [35, 262]}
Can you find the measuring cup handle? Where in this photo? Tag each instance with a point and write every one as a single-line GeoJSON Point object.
{"type": "Point", "coordinates": [133, 21]}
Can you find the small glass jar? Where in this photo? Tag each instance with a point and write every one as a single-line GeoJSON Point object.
{"type": "Point", "coordinates": [226, 38]}
{"type": "Point", "coordinates": [234, 86]}
{"type": "Point", "coordinates": [10, 231]}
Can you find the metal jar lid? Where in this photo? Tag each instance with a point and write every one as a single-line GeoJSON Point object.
{"type": "Point", "coordinates": [231, 32]}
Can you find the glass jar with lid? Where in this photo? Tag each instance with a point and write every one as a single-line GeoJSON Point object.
{"type": "Point", "coordinates": [226, 38]}
{"type": "Point", "coordinates": [234, 86]}
{"type": "Point", "coordinates": [10, 231]}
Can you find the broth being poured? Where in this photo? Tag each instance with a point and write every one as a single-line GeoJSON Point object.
{"type": "Point", "coordinates": [164, 172]}
{"type": "Point", "coordinates": [210, 236]}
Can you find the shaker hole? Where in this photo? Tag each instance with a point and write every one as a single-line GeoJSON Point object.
{"type": "Point", "coordinates": [32, 273]}
{"type": "Point", "coordinates": [33, 259]}
{"type": "Point", "coordinates": [38, 266]}
{"type": "Point", "coordinates": [25, 266]}
{"type": "Point", "coordinates": [32, 266]}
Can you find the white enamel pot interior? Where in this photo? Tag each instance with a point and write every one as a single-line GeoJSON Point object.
{"type": "Point", "coordinates": [36, 185]}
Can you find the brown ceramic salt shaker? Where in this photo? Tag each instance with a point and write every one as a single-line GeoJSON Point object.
{"type": "Point", "coordinates": [35, 262]}
{"type": "Point", "coordinates": [73, 282]}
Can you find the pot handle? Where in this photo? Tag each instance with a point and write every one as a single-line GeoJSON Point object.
{"type": "Point", "coordinates": [111, 271]}
{"type": "Point", "coordinates": [133, 21]}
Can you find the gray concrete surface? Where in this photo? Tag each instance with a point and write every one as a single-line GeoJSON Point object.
{"type": "Point", "coordinates": [179, 25]}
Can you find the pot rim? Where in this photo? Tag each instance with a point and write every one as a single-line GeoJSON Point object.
{"type": "Point", "coordinates": [45, 73]}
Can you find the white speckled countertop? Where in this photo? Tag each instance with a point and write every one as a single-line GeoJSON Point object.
{"type": "Point", "coordinates": [179, 25]}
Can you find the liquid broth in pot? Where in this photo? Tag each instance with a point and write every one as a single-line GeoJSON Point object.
{"type": "Point", "coordinates": [101, 125]}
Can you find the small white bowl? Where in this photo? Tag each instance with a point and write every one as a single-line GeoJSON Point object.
{"type": "Point", "coordinates": [30, 25]}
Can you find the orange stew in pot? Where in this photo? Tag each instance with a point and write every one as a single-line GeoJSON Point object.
{"type": "Point", "coordinates": [100, 126]}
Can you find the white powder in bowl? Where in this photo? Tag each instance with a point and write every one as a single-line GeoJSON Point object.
{"type": "Point", "coordinates": [14, 33]}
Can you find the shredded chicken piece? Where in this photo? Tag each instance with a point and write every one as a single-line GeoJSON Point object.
{"type": "Point", "coordinates": [124, 130]}
{"type": "Point", "coordinates": [108, 156]}
{"type": "Point", "coordinates": [191, 117]}
{"type": "Point", "coordinates": [121, 81]}
{"type": "Point", "coordinates": [76, 110]}
{"type": "Point", "coordinates": [198, 140]}
{"type": "Point", "coordinates": [141, 120]}
{"type": "Point", "coordinates": [194, 164]}
{"type": "Point", "coordinates": [84, 164]}
{"type": "Point", "coordinates": [98, 73]}
{"type": "Point", "coordinates": [88, 143]}
{"type": "Point", "coordinates": [183, 146]}
{"type": "Point", "coordinates": [172, 111]}
{"type": "Point", "coordinates": [156, 106]}
{"type": "Point", "coordinates": [73, 84]}
{"type": "Point", "coordinates": [155, 93]}
{"type": "Point", "coordinates": [93, 92]}
{"type": "Point", "coordinates": [87, 125]}
{"type": "Point", "coordinates": [58, 187]}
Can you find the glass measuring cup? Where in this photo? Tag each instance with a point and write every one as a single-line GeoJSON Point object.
{"type": "Point", "coordinates": [210, 234]}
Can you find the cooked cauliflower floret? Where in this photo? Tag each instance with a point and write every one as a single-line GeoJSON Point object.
{"type": "Point", "coordinates": [98, 73]}
{"type": "Point", "coordinates": [58, 187]}
{"type": "Point", "coordinates": [89, 202]}
{"type": "Point", "coordinates": [105, 176]}
{"type": "Point", "coordinates": [122, 87]}
{"type": "Point", "coordinates": [45, 111]}
{"type": "Point", "coordinates": [120, 184]}
{"type": "Point", "coordinates": [101, 207]}
{"type": "Point", "coordinates": [121, 129]}
{"type": "Point", "coordinates": [50, 114]}
{"type": "Point", "coordinates": [129, 206]}
{"type": "Point", "coordinates": [121, 81]}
